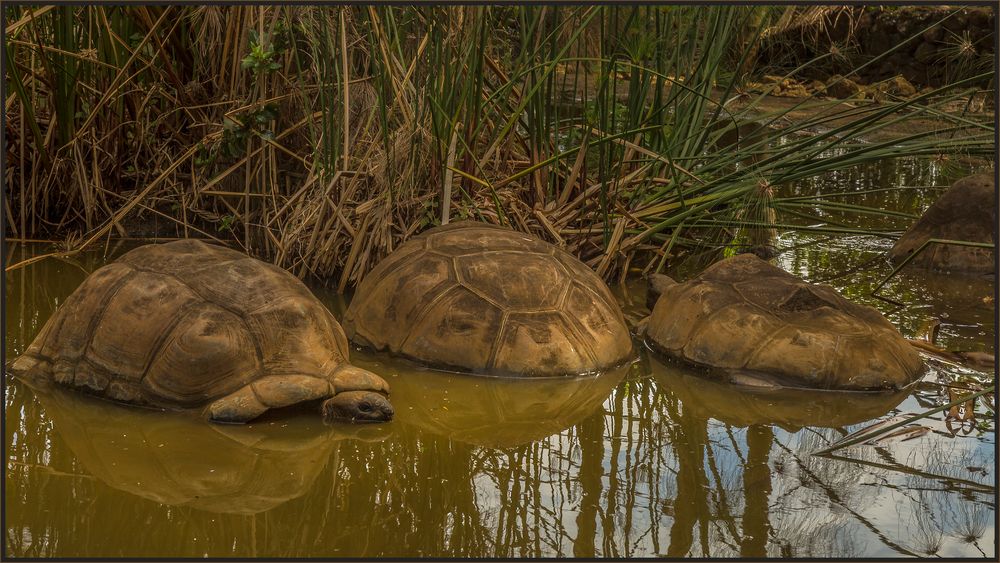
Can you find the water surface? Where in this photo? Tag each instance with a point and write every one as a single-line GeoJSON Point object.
{"type": "Point", "coordinates": [650, 460]}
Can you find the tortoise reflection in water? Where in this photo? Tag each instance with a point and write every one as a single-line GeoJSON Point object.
{"type": "Point", "coordinates": [176, 460]}
{"type": "Point", "coordinates": [488, 300]}
{"type": "Point", "coordinates": [789, 408]}
{"type": "Point", "coordinates": [499, 412]}
{"type": "Point", "coordinates": [187, 324]}
{"type": "Point", "coordinates": [766, 326]}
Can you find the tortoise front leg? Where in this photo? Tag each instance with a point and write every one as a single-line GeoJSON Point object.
{"type": "Point", "coordinates": [352, 378]}
{"type": "Point", "coordinates": [270, 392]}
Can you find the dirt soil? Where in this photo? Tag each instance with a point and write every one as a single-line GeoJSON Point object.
{"type": "Point", "coordinates": [804, 108]}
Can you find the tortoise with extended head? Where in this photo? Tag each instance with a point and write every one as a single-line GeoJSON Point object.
{"type": "Point", "coordinates": [753, 319]}
{"type": "Point", "coordinates": [488, 300]}
{"type": "Point", "coordinates": [187, 324]}
{"type": "Point", "coordinates": [966, 212]}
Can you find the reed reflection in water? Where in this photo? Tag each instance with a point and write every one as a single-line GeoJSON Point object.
{"type": "Point", "coordinates": [654, 460]}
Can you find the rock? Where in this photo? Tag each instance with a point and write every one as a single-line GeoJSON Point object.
{"type": "Point", "coordinates": [933, 34]}
{"type": "Point", "coordinates": [956, 24]}
{"type": "Point", "coordinates": [981, 18]}
{"type": "Point", "coordinates": [926, 53]}
{"type": "Point", "coordinates": [896, 86]}
{"type": "Point", "coordinates": [966, 212]}
{"type": "Point", "coordinates": [795, 91]}
{"type": "Point", "coordinates": [899, 86]}
{"type": "Point", "coordinates": [914, 74]}
{"type": "Point", "coordinates": [842, 88]}
{"type": "Point", "coordinates": [876, 43]}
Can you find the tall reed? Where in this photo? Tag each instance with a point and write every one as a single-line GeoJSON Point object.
{"type": "Point", "coordinates": [322, 137]}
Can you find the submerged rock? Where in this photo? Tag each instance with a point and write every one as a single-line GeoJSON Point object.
{"type": "Point", "coordinates": [966, 212]}
{"type": "Point", "coordinates": [766, 326]}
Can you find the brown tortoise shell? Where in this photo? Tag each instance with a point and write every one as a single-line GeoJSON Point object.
{"type": "Point", "coordinates": [183, 323]}
{"type": "Point", "coordinates": [966, 212]}
{"type": "Point", "coordinates": [746, 315]}
{"type": "Point", "coordinates": [488, 300]}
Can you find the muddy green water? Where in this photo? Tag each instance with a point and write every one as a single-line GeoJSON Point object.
{"type": "Point", "coordinates": [652, 460]}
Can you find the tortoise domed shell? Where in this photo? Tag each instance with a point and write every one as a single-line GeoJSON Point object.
{"type": "Point", "coordinates": [187, 324]}
{"type": "Point", "coordinates": [747, 316]}
{"type": "Point", "coordinates": [488, 300]}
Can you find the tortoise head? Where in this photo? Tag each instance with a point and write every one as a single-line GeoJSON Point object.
{"type": "Point", "coordinates": [359, 396]}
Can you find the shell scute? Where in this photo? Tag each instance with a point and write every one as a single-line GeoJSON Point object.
{"type": "Point", "coordinates": [88, 376]}
{"type": "Point", "coordinates": [813, 352]}
{"type": "Point", "coordinates": [184, 257]}
{"type": "Point", "coordinates": [209, 353]}
{"type": "Point", "coordinates": [514, 280]}
{"type": "Point", "coordinates": [133, 324]}
{"type": "Point", "coordinates": [459, 331]}
{"type": "Point", "coordinates": [383, 306]}
{"type": "Point", "coordinates": [730, 337]}
{"type": "Point", "coordinates": [577, 270]}
{"type": "Point", "coordinates": [540, 343]}
{"type": "Point", "coordinates": [465, 238]}
{"type": "Point", "coordinates": [74, 322]}
{"type": "Point", "coordinates": [597, 323]}
{"type": "Point", "coordinates": [295, 336]}
{"type": "Point", "coordinates": [258, 284]}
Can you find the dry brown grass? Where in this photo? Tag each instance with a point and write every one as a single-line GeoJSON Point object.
{"type": "Point", "coordinates": [322, 137]}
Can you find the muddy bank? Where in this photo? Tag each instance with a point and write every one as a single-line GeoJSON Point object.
{"type": "Point", "coordinates": [847, 38]}
{"type": "Point", "coordinates": [796, 108]}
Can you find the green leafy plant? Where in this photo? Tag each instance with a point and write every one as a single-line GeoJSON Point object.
{"type": "Point", "coordinates": [262, 57]}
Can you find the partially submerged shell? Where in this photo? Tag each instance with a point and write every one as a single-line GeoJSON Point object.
{"type": "Point", "coordinates": [489, 300]}
{"type": "Point", "coordinates": [966, 212]}
{"type": "Point", "coordinates": [186, 323]}
{"type": "Point", "coordinates": [745, 315]}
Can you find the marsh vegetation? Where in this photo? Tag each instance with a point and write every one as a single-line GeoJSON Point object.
{"type": "Point", "coordinates": [319, 138]}
{"type": "Point", "coordinates": [640, 138]}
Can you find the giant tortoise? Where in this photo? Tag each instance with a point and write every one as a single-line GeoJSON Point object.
{"type": "Point", "coordinates": [966, 212]}
{"type": "Point", "coordinates": [766, 326]}
{"type": "Point", "coordinates": [187, 324]}
{"type": "Point", "coordinates": [484, 299]}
